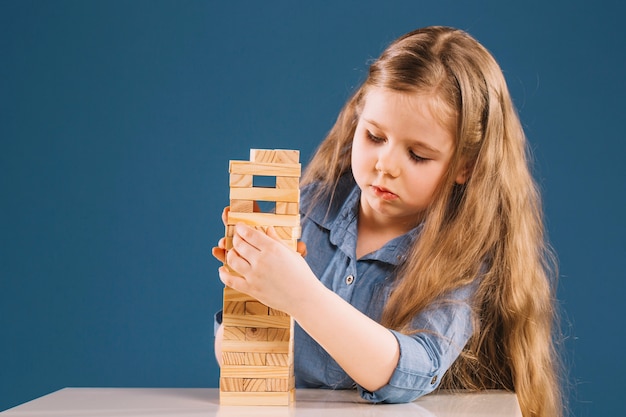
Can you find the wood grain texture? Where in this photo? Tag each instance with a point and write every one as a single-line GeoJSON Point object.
{"type": "Point", "coordinates": [264, 169]}
{"type": "Point", "coordinates": [265, 194]}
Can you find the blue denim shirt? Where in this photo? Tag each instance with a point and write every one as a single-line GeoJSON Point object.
{"type": "Point", "coordinates": [329, 231]}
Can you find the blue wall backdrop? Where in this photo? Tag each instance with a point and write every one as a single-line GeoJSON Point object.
{"type": "Point", "coordinates": [117, 121]}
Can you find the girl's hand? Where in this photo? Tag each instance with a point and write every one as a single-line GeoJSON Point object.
{"type": "Point", "coordinates": [219, 251]}
{"type": "Point", "coordinates": [267, 269]}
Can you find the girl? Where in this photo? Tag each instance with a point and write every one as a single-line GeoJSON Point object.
{"type": "Point", "coordinates": [426, 263]}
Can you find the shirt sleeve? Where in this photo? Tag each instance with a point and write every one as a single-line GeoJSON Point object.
{"type": "Point", "coordinates": [427, 354]}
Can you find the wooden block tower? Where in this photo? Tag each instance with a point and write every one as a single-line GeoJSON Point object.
{"type": "Point", "coordinates": [257, 350]}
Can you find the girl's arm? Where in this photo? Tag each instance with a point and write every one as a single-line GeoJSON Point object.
{"type": "Point", "coordinates": [281, 279]}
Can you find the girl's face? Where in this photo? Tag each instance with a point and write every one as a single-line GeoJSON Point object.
{"type": "Point", "coordinates": [400, 153]}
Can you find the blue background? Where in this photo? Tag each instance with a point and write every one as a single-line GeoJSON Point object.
{"type": "Point", "coordinates": [117, 121]}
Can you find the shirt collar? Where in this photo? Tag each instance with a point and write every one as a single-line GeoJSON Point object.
{"type": "Point", "coordinates": [341, 221]}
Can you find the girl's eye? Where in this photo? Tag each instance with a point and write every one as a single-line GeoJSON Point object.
{"type": "Point", "coordinates": [415, 157]}
{"type": "Point", "coordinates": [374, 138]}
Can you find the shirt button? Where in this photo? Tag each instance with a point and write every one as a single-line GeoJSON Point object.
{"type": "Point", "coordinates": [434, 380]}
{"type": "Point", "coordinates": [349, 279]}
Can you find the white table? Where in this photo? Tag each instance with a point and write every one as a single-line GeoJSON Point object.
{"type": "Point", "coordinates": [164, 402]}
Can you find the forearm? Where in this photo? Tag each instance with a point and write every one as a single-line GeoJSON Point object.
{"type": "Point", "coordinates": [365, 350]}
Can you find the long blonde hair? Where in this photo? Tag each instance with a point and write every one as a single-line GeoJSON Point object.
{"type": "Point", "coordinates": [491, 226]}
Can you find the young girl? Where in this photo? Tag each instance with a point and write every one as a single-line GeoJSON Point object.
{"type": "Point", "coordinates": [426, 263]}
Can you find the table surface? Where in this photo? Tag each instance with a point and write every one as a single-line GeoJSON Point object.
{"type": "Point", "coordinates": [164, 402]}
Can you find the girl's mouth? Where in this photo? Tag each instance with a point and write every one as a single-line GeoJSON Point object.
{"type": "Point", "coordinates": [383, 193]}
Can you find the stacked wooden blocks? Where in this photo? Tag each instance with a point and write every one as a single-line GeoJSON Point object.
{"type": "Point", "coordinates": [257, 350]}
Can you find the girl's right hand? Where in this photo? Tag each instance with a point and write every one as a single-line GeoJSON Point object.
{"type": "Point", "coordinates": [219, 251]}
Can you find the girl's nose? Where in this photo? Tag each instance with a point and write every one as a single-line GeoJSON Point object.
{"type": "Point", "coordinates": [387, 162]}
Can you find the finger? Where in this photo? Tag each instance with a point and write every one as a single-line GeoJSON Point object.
{"type": "Point", "coordinates": [301, 248]}
{"type": "Point", "coordinates": [231, 280]}
{"type": "Point", "coordinates": [271, 232]}
{"type": "Point", "coordinates": [237, 262]}
{"type": "Point", "coordinates": [225, 215]}
{"type": "Point", "coordinates": [253, 237]}
{"type": "Point", "coordinates": [219, 254]}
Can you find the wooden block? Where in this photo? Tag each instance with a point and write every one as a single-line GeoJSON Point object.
{"type": "Point", "coordinates": [284, 156]}
{"type": "Point", "coordinates": [234, 295]}
{"type": "Point", "coordinates": [241, 206]}
{"type": "Point", "coordinates": [256, 333]}
{"type": "Point", "coordinates": [254, 385]}
{"type": "Point", "coordinates": [234, 307]}
{"type": "Point", "coordinates": [238, 346]}
{"type": "Point", "coordinates": [255, 359]}
{"type": "Point", "coordinates": [278, 334]}
{"type": "Point", "coordinates": [265, 194]}
{"type": "Point", "coordinates": [256, 308]}
{"type": "Point", "coordinates": [288, 232]}
{"type": "Point", "coordinates": [277, 384]}
{"type": "Point", "coordinates": [255, 371]}
{"type": "Point", "coordinates": [287, 208]}
{"type": "Point", "coordinates": [277, 359]}
{"type": "Point", "coordinates": [234, 333]}
{"type": "Point", "coordinates": [263, 219]}
{"type": "Point", "coordinates": [275, 312]}
{"type": "Point", "coordinates": [287, 183]}
{"type": "Point", "coordinates": [264, 169]}
{"type": "Point", "coordinates": [265, 322]}
{"type": "Point", "coordinates": [231, 384]}
{"type": "Point", "coordinates": [240, 180]}
{"type": "Point", "coordinates": [233, 358]}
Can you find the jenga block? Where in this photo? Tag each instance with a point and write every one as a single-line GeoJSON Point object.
{"type": "Point", "coordinates": [256, 308]}
{"type": "Point", "coordinates": [242, 206]}
{"type": "Point", "coordinates": [255, 359]}
{"type": "Point", "coordinates": [264, 169]}
{"type": "Point", "coordinates": [287, 183]}
{"type": "Point", "coordinates": [233, 358]}
{"type": "Point", "coordinates": [275, 312]}
{"type": "Point", "coordinates": [240, 180]}
{"type": "Point", "coordinates": [234, 333]}
{"type": "Point", "coordinates": [254, 385]}
{"type": "Point", "coordinates": [234, 307]}
{"type": "Point", "coordinates": [247, 371]}
{"type": "Point", "coordinates": [277, 359]}
{"type": "Point", "coordinates": [256, 333]}
{"type": "Point", "coordinates": [283, 156]}
{"type": "Point", "coordinates": [278, 334]}
{"type": "Point", "coordinates": [278, 322]}
{"type": "Point", "coordinates": [231, 384]}
{"type": "Point", "coordinates": [272, 346]}
{"type": "Point", "coordinates": [277, 384]}
{"type": "Point", "coordinates": [264, 219]}
{"type": "Point", "coordinates": [264, 194]}
{"type": "Point", "coordinates": [288, 232]}
{"type": "Point", "coordinates": [234, 295]}
{"type": "Point", "coordinates": [287, 208]}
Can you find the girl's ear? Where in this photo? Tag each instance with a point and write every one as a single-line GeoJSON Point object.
{"type": "Point", "coordinates": [464, 173]}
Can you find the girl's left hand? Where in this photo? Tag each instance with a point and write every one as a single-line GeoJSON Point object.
{"type": "Point", "coordinates": [267, 269]}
